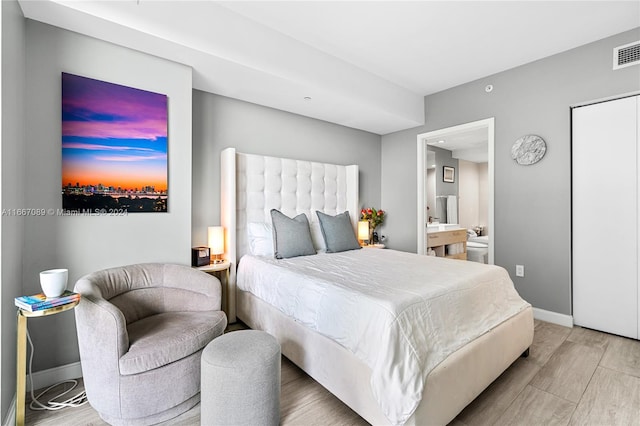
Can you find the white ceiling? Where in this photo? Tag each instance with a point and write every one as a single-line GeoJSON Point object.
{"type": "Point", "coordinates": [366, 65]}
{"type": "Point", "coordinates": [470, 145]}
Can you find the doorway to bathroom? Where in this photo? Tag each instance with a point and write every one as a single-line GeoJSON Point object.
{"type": "Point", "coordinates": [456, 183]}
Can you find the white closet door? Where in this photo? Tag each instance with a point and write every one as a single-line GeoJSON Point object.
{"type": "Point", "coordinates": [605, 216]}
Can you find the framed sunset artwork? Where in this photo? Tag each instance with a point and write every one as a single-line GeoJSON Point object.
{"type": "Point", "coordinates": [114, 148]}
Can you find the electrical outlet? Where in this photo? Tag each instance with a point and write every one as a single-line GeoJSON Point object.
{"type": "Point", "coordinates": [519, 270]}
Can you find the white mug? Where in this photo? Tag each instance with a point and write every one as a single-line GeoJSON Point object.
{"type": "Point", "coordinates": [54, 282]}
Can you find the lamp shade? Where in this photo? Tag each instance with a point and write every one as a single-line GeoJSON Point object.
{"type": "Point", "coordinates": [216, 239]}
{"type": "Point", "coordinates": [363, 230]}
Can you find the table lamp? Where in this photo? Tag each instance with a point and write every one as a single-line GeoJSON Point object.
{"type": "Point", "coordinates": [363, 231]}
{"type": "Point", "coordinates": [216, 243]}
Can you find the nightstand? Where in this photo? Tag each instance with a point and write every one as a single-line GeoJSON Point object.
{"type": "Point", "coordinates": [375, 246]}
{"type": "Point", "coordinates": [21, 368]}
{"type": "Point", "coordinates": [217, 270]}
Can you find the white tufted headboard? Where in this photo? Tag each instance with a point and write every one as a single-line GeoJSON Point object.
{"type": "Point", "coordinates": [252, 185]}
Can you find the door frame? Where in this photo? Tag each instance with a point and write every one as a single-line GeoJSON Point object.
{"type": "Point", "coordinates": [489, 125]}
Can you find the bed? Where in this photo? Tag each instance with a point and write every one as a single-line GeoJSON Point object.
{"type": "Point", "coordinates": [327, 337]}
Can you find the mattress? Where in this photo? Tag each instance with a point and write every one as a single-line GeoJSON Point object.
{"type": "Point", "coordinates": [400, 313]}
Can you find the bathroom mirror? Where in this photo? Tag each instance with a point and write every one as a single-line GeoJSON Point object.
{"type": "Point", "coordinates": [442, 196]}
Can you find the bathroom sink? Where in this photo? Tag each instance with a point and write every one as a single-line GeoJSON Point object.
{"type": "Point", "coordinates": [437, 227]}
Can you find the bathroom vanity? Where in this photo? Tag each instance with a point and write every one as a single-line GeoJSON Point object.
{"type": "Point", "coordinates": [451, 243]}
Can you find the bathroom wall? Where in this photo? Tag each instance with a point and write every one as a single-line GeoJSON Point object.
{"type": "Point", "coordinates": [473, 194]}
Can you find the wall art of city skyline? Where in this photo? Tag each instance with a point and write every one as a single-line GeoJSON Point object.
{"type": "Point", "coordinates": [114, 147]}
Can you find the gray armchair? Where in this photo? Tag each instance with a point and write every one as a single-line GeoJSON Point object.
{"type": "Point", "coordinates": [141, 332]}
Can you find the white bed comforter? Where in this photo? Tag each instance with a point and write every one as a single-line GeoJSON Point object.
{"type": "Point", "coordinates": [401, 313]}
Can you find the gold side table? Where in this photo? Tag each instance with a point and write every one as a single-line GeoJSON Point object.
{"type": "Point", "coordinates": [21, 360]}
{"type": "Point", "coordinates": [218, 269]}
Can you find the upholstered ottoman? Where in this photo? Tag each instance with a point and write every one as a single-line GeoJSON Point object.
{"type": "Point", "coordinates": [240, 380]}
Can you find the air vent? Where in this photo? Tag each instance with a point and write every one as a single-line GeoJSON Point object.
{"type": "Point", "coordinates": [627, 55]}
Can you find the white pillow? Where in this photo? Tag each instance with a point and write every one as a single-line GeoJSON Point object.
{"type": "Point", "coordinates": [260, 238]}
{"type": "Point", "coordinates": [317, 238]}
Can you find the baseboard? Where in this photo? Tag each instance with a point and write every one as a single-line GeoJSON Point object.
{"type": "Point", "coordinates": [45, 378]}
{"type": "Point", "coordinates": [10, 419]}
{"type": "Point", "coordinates": [553, 317]}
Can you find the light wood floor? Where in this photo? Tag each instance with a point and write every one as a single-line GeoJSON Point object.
{"type": "Point", "coordinates": [572, 377]}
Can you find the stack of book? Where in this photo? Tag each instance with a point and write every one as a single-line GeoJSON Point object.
{"type": "Point", "coordinates": [39, 302]}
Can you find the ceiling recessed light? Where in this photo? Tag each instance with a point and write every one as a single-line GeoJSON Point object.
{"type": "Point", "coordinates": [307, 98]}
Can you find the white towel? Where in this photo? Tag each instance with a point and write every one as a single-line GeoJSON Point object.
{"type": "Point", "coordinates": [455, 248]}
{"type": "Point", "coordinates": [452, 209]}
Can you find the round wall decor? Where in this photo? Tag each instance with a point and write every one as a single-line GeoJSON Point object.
{"type": "Point", "coordinates": [528, 150]}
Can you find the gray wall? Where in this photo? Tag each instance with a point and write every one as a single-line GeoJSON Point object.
{"type": "Point", "coordinates": [220, 122]}
{"type": "Point", "coordinates": [532, 203]}
{"type": "Point", "coordinates": [89, 243]}
{"type": "Point", "coordinates": [11, 231]}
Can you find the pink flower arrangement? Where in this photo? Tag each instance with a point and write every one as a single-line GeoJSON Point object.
{"type": "Point", "coordinates": [375, 217]}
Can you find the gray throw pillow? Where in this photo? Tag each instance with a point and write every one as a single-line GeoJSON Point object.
{"type": "Point", "coordinates": [291, 237]}
{"type": "Point", "coordinates": [337, 232]}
